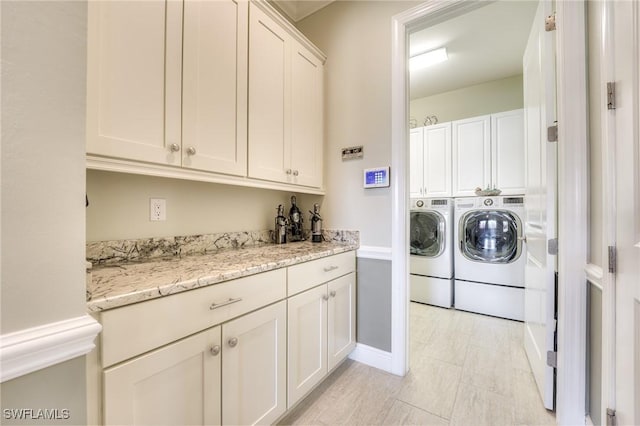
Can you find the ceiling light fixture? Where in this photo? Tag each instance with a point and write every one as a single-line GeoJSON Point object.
{"type": "Point", "coordinates": [426, 59]}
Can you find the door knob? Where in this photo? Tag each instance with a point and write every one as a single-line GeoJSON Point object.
{"type": "Point", "coordinates": [233, 342]}
{"type": "Point", "coordinates": [215, 350]}
{"type": "Point", "coordinates": [174, 147]}
{"type": "Point", "coordinates": [288, 171]}
{"type": "Point", "coordinates": [295, 173]}
{"type": "Point", "coordinates": [191, 151]}
{"type": "Point", "coordinates": [325, 297]}
{"type": "Point", "coordinates": [332, 293]}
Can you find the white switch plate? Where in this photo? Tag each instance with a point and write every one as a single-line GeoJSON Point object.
{"type": "Point", "coordinates": [157, 209]}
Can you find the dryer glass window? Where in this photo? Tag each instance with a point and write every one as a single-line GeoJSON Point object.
{"type": "Point", "coordinates": [426, 233]}
{"type": "Point", "coordinates": [490, 236]}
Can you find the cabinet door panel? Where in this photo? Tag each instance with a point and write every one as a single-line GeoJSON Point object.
{"type": "Point", "coordinates": [254, 370]}
{"type": "Point", "coordinates": [178, 384]}
{"type": "Point", "coordinates": [507, 150]}
{"type": "Point", "coordinates": [215, 85]}
{"type": "Point", "coordinates": [306, 118]}
{"type": "Point", "coordinates": [307, 335]}
{"type": "Point", "coordinates": [416, 163]}
{"type": "Point", "coordinates": [268, 104]}
{"type": "Point", "coordinates": [437, 170]}
{"type": "Point", "coordinates": [134, 79]}
{"type": "Point", "coordinates": [472, 155]}
{"type": "Point", "coordinates": [341, 333]}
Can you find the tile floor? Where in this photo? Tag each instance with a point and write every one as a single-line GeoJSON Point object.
{"type": "Point", "coordinates": [466, 369]}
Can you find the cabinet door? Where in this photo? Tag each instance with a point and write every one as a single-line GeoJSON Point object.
{"type": "Point", "coordinates": [507, 151]}
{"type": "Point", "coordinates": [214, 135]}
{"type": "Point", "coordinates": [307, 335]}
{"type": "Point", "coordinates": [416, 163]}
{"type": "Point", "coordinates": [472, 155]}
{"type": "Point", "coordinates": [269, 104]}
{"type": "Point", "coordinates": [178, 384]}
{"type": "Point", "coordinates": [254, 367]}
{"type": "Point", "coordinates": [306, 117]}
{"type": "Point", "coordinates": [341, 333]}
{"type": "Point", "coordinates": [134, 79]}
{"type": "Point", "coordinates": [437, 154]}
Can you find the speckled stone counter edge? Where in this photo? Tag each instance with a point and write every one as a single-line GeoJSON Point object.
{"type": "Point", "coordinates": [123, 251]}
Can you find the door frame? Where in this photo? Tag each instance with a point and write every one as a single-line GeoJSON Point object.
{"type": "Point", "coordinates": [572, 193]}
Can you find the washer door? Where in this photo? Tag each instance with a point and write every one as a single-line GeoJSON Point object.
{"type": "Point", "coordinates": [426, 233]}
{"type": "Point", "coordinates": [491, 236]}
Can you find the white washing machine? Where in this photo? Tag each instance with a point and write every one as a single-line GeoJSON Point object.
{"type": "Point", "coordinates": [490, 256]}
{"type": "Point", "coordinates": [431, 251]}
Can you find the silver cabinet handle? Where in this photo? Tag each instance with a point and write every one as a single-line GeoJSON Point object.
{"type": "Point", "coordinates": [288, 171]}
{"type": "Point", "coordinates": [325, 297]}
{"type": "Point", "coordinates": [215, 350]}
{"type": "Point", "coordinates": [332, 293]}
{"type": "Point", "coordinates": [233, 342]}
{"type": "Point", "coordinates": [295, 173]}
{"type": "Point", "coordinates": [174, 147]}
{"type": "Point", "coordinates": [191, 151]}
{"type": "Point", "coordinates": [228, 302]}
{"type": "Point", "coordinates": [330, 268]}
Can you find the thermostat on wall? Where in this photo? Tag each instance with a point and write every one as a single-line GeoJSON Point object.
{"type": "Point", "coordinates": [376, 178]}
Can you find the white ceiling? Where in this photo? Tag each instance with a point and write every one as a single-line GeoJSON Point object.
{"type": "Point", "coordinates": [483, 45]}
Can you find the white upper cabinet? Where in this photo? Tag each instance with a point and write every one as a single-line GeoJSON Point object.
{"type": "Point", "coordinates": [488, 151]}
{"type": "Point", "coordinates": [508, 151]}
{"type": "Point", "coordinates": [285, 105]}
{"type": "Point", "coordinates": [430, 161]}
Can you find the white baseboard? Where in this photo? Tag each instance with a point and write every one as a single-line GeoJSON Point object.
{"type": "Point", "coordinates": [32, 349]}
{"type": "Point", "coordinates": [374, 252]}
{"type": "Point", "coordinates": [371, 356]}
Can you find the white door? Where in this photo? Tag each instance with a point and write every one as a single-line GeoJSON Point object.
{"type": "Point", "coordinates": [307, 335]}
{"type": "Point", "coordinates": [507, 152]}
{"type": "Point", "coordinates": [341, 330]}
{"type": "Point", "coordinates": [626, 16]}
{"type": "Point", "coordinates": [254, 367]}
{"type": "Point", "coordinates": [416, 163]}
{"type": "Point", "coordinates": [437, 160]}
{"type": "Point", "coordinates": [471, 155]}
{"type": "Point", "coordinates": [540, 202]}
{"type": "Point", "coordinates": [178, 384]}
{"type": "Point", "coordinates": [214, 91]}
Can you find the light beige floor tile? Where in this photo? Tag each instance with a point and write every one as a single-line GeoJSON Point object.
{"type": "Point", "coordinates": [488, 369]}
{"type": "Point", "coordinates": [519, 358]}
{"type": "Point", "coordinates": [490, 332]}
{"type": "Point", "coordinates": [463, 322]}
{"type": "Point", "coordinates": [479, 407]}
{"type": "Point", "coordinates": [404, 414]}
{"type": "Point", "coordinates": [431, 385]}
{"type": "Point", "coordinates": [529, 409]}
{"type": "Point", "coordinates": [448, 347]}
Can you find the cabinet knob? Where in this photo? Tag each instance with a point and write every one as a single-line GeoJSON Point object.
{"type": "Point", "coordinates": [288, 171]}
{"type": "Point", "coordinates": [191, 151]}
{"type": "Point", "coordinates": [215, 350]}
{"type": "Point", "coordinates": [325, 297]}
{"type": "Point", "coordinates": [233, 342]}
{"type": "Point", "coordinates": [295, 173]}
{"type": "Point", "coordinates": [332, 293]}
{"type": "Point", "coordinates": [174, 147]}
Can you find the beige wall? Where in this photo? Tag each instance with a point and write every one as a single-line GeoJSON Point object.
{"type": "Point", "coordinates": [480, 99]}
{"type": "Point", "coordinates": [43, 175]}
{"type": "Point", "coordinates": [119, 207]}
{"type": "Point", "coordinates": [356, 37]}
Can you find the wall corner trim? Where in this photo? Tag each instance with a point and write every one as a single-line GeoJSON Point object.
{"type": "Point", "coordinates": [374, 252]}
{"type": "Point", "coordinates": [25, 351]}
{"type": "Point", "coordinates": [373, 357]}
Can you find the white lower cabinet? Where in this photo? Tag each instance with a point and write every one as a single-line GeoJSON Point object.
{"type": "Point", "coordinates": [178, 384]}
{"type": "Point", "coordinates": [321, 333]}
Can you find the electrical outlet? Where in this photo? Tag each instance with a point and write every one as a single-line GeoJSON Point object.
{"type": "Point", "coordinates": [157, 209]}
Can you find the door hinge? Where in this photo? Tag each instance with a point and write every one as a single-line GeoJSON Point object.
{"type": "Point", "coordinates": [552, 246]}
{"type": "Point", "coordinates": [552, 359]}
{"type": "Point", "coordinates": [552, 133]}
{"type": "Point", "coordinates": [612, 259]}
{"type": "Point", "coordinates": [550, 22]}
{"type": "Point", "coordinates": [611, 95]}
{"type": "Point", "coordinates": [611, 417]}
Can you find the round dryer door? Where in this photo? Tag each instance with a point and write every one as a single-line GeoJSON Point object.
{"type": "Point", "coordinates": [491, 236]}
{"type": "Point", "coordinates": [426, 233]}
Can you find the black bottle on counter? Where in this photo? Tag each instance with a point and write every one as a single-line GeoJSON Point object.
{"type": "Point", "coordinates": [295, 221]}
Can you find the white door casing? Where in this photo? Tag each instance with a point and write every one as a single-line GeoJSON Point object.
{"type": "Point", "coordinates": [540, 202]}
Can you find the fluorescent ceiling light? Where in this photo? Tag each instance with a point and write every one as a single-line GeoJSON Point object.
{"type": "Point", "coordinates": [427, 59]}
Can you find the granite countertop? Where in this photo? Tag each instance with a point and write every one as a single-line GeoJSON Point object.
{"type": "Point", "coordinates": [120, 284]}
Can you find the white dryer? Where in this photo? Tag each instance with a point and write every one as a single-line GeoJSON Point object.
{"type": "Point", "coordinates": [490, 256]}
{"type": "Point", "coordinates": [431, 251]}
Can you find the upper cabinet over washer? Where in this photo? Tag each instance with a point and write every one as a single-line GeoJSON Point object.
{"type": "Point", "coordinates": [174, 91]}
{"type": "Point", "coordinates": [285, 104]}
